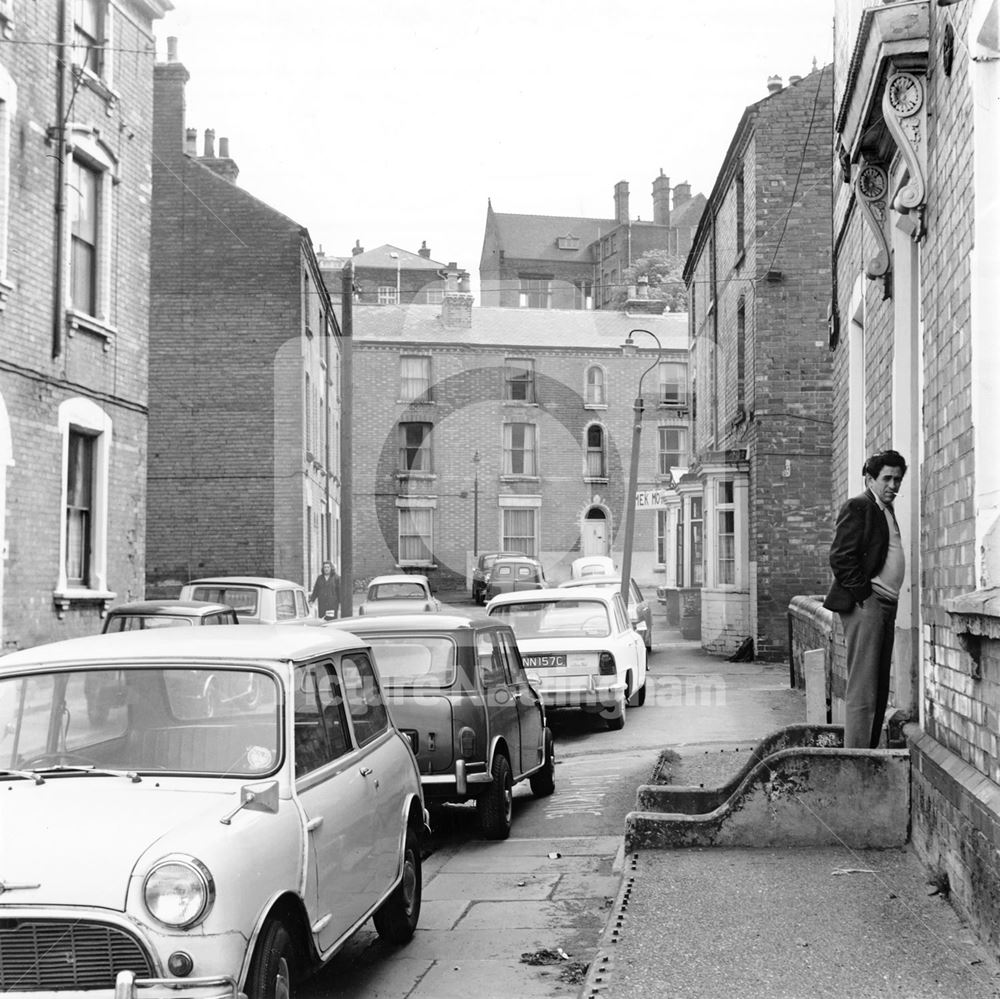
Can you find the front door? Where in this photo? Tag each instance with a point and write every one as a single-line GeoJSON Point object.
{"type": "Point", "coordinates": [594, 540]}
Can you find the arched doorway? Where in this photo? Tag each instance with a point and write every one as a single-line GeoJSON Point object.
{"type": "Point", "coordinates": [595, 534]}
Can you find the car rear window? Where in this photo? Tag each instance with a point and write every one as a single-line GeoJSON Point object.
{"type": "Point", "coordinates": [418, 661]}
{"type": "Point", "coordinates": [396, 591]}
{"type": "Point", "coordinates": [556, 618]}
{"type": "Point", "coordinates": [139, 622]}
{"type": "Point", "coordinates": [243, 599]}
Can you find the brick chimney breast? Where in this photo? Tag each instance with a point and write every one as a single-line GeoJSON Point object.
{"type": "Point", "coordinates": [424, 250]}
{"type": "Point", "coordinates": [357, 249]}
{"type": "Point", "coordinates": [621, 202]}
{"type": "Point", "coordinates": [773, 84]}
{"type": "Point", "coordinates": [209, 151]}
{"type": "Point", "coordinates": [661, 199]}
{"type": "Point", "coordinates": [456, 308]}
{"type": "Point", "coordinates": [191, 142]}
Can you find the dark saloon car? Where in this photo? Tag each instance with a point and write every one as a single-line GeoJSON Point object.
{"type": "Point", "coordinates": [512, 575]}
{"type": "Point", "coordinates": [457, 689]}
{"type": "Point", "coordinates": [145, 614]}
{"type": "Point", "coordinates": [481, 572]}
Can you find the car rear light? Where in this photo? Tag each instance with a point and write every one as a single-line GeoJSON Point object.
{"type": "Point", "coordinates": [607, 664]}
{"type": "Point", "coordinates": [467, 742]}
{"type": "Point", "coordinates": [414, 739]}
{"type": "Point", "coordinates": [427, 607]}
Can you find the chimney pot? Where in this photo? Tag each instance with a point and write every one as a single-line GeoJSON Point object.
{"type": "Point", "coordinates": [172, 48]}
{"type": "Point", "coordinates": [794, 79]}
{"type": "Point", "coordinates": [191, 141]}
{"type": "Point", "coordinates": [773, 84]}
{"type": "Point", "coordinates": [224, 148]}
{"type": "Point", "coordinates": [357, 249]}
{"type": "Point", "coordinates": [424, 251]}
{"type": "Point", "coordinates": [209, 143]}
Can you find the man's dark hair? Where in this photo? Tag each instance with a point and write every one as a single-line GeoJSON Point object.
{"type": "Point", "coordinates": [876, 462]}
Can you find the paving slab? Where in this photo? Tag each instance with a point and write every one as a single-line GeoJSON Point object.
{"type": "Point", "coordinates": [485, 887]}
{"type": "Point", "coordinates": [576, 913]}
{"type": "Point", "coordinates": [490, 980]}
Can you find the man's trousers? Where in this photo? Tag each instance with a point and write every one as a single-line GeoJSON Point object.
{"type": "Point", "coordinates": [869, 630]}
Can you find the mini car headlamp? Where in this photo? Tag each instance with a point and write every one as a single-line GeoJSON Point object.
{"type": "Point", "coordinates": [179, 891]}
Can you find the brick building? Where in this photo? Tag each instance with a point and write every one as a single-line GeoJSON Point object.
{"type": "Point", "coordinates": [564, 262]}
{"type": "Point", "coordinates": [389, 275]}
{"type": "Point", "coordinates": [244, 371]}
{"type": "Point", "coordinates": [754, 510]}
{"type": "Point", "coordinates": [74, 231]}
{"type": "Point", "coordinates": [486, 428]}
{"type": "Point", "coordinates": [916, 367]}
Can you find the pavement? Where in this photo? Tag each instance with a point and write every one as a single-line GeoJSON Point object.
{"type": "Point", "coordinates": [750, 923]}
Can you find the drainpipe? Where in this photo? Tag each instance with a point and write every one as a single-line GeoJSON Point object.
{"type": "Point", "coordinates": [58, 134]}
{"type": "Point", "coordinates": [346, 431]}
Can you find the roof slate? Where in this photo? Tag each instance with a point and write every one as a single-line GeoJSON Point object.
{"type": "Point", "coordinates": [533, 237]}
{"type": "Point", "coordinates": [493, 326]}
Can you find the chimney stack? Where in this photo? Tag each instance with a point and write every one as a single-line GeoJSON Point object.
{"type": "Point", "coordinates": [773, 84]}
{"type": "Point", "coordinates": [424, 251]}
{"type": "Point", "coordinates": [621, 202]}
{"type": "Point", "coordinates": [172, 49]}
{"type": "Point", "coordinates": [209, 151]}
{"type": "Point", "coordinates": [357, 249]}
{"type": "Point", "coordinates": [456, 308]}
{"type": "Point", "coordinates": [661, 199]}
{"type": "Point", "coordinates": [169, 79]}
{"type": "Point", "coordinates": [682, 194]}
{"type": "Point", "coordinates": [191, 142]}
{"type": "Point", "coordinates": [794, 79]}
{"type": "Point", "coordinates": [223, 149]}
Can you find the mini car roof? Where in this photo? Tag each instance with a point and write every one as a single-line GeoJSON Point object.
{"type": "Point", "coordinates": [551, 595]}
{"type": "Point", "coordinates": [266, 582]}
{"type": "Point", "coordinates": [225, 643]}
{"type": "Point", "coordinates": [402, 623]}
{"type": "Point", "coordinates": [180, 608]}
{"type": "Point", "coordinates": [399, 577]}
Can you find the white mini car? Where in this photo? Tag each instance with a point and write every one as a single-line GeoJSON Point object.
{"type": "Point", "coordinates": [194, 845]}
{"type": "Point", "coordinates": [581, 646]}
{"type": "Point", "coordinates": [404, 593]}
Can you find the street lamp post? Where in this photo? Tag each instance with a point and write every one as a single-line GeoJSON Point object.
{"type": "Point", "coordinates": [633, 477]}
{"type": "Point", "coordinates": [475, 507]}
{"type": "Point", "coordinates": [395, 256]}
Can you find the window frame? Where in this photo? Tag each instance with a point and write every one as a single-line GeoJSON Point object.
{"type": "Point", "coordinates": [408, 394]}
{"type": "Point", "coordinates": [525, 380]}
{"type": "Point", "coordinates": [663, 466]}
{"type": "Point", "coordinates": [521, 504]}
{"type": "Point", "coordinates": [528, 454]}
{"type": "Point", "coordinates": [600, 451]}
{"type": "Point", "coordinates": [410, 508]}
{"type": "Point", "coordinates": [97, 64]}
{"type": "Point", "coordinates": [422, 452]}
{"type": "Point", "coordinates": [597, 399]}
{"type": "Point", "coordinates": [679, 398]}
{"type": "Point", "coordinates": [534, 292]}
{"type": "Point", "coordinates": [81, 416]}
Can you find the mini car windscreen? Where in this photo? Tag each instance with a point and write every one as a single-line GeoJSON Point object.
{"type": "Point", "coordinates": [397, 591]}
{"type": "Point", "coordinates": [556, 618]}
{"type": "Point", "coordinates": [243, 599]}
{"type": "Point", "coordinates": [424, 661]}
{"type": "Point", "coordinates": [178, 720]}
{"type": "Point", "coordinates": [139, 622]}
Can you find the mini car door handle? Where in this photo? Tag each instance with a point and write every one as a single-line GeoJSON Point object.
{"type": "Point", "coordinates": [366, 771]}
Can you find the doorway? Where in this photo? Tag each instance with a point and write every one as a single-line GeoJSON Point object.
{"type": "Point", "coordinates": [594, 534]}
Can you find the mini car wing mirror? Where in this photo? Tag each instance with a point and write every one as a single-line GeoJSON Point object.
{"type": "Point", "coordinates": [533, 679]}
{"type": "Point", "coordinates": [255, 798]}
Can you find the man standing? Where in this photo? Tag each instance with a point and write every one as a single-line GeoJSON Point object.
{"type": "Point", "coordinates": [326, 592]}
{"type": "Point", "coordinates": [868, 567]}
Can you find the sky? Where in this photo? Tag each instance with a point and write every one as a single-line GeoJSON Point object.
{"type": "Point", "coordinates": [394, 122]}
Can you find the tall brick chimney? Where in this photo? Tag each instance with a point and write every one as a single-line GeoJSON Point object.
{"type": "Point", "coordinates": [357, 249]}
{"type": "Point", "coordinates": [456, 308]}
{"type": "Point", "coordinates": [773, 84]}
{"type": "Point", "coordinates": [169, 80]}
{"type": "Point", "coordinates": [661, 199]}
{"type": "Point", "coordinates": [682, 194]}
{"type": "Point", "coordinates": [221, 164]}
{"type": "Point", "coordinates": [424, 250]}
{"type": "Point", "coordinates": [621, 202]}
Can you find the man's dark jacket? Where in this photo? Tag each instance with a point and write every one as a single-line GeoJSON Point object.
{"type": "Point", "coordinates": [859, 550]}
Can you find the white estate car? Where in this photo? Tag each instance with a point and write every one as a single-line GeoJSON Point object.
{"type": "Point", "coordinates": [256, 599]}
{"type": "Point", "coordinates": [403, 593]}
{"type": "Point", "coordinates": [187, 845]}
{"type": "Point", "coordinates": [581, 645]}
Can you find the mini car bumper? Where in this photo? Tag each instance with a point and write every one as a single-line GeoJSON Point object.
{"type": "Point", "coordinates": [456, 783]}
{"type": "Point", "coordinates": [581, 692]}
{"type": "Point", "coordinates": [127, 986]}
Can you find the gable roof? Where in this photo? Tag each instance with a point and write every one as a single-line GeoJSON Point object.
{"type": "Point", "coordinates": [379, 257]}
{"type": "Point", "coordinates": [533, 237]}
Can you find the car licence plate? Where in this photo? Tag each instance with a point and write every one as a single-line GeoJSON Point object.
{"type": "Point", "coordinates": [543, 662]}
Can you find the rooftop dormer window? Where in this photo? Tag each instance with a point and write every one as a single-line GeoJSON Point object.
{"type": "Point", "coordinates": [568, 242]}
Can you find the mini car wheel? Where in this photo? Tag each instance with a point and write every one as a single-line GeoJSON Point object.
{"type": "Point", "coordinates": [616, 715]}
{"type": "Point", "coordinates": [543, 782]}
{"type": "Point", "coordinates": [496, 806]}
{"type": "Point", "coordinates": [275, 964]}
{"type": "Point", "coordinates": [637, 698]}
{"type": "Point", "coordinates": [649, 640]}
{"type": "Point", "coordinates": [397, 918]}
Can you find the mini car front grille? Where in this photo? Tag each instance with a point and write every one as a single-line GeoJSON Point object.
{"type": "Point", "coordinates": [49, 955]}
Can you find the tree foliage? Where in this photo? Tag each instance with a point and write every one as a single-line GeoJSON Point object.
{"type": "Point", "coordinates": [664, 271]}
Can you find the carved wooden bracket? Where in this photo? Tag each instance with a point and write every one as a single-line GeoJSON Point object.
{"type": "Point", "coordinates": [904, 109]}
{"type": "Point", "coordinates": [871, 187]}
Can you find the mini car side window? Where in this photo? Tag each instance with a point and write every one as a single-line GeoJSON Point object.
{"type": "Point", "coordinates": [284, 605]}
{"type": "Point", "coordinates": [491, 660]}
{"type": "Point", "coordinates": [301, 607]}
{"type": "Point", "coordinates": [364, 699]}
{"type": "Point", "coordinates": [513, 659]}
{"type": "Point", "coordinates": [320, 726]}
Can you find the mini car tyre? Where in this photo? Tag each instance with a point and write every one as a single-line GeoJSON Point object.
{"type": "Point", "coordinates": [543, 782]}
{"type": "Point", "coordinates": [649, 640]}
{"type": "Point", "coordinates": [397, 918]}
{"type": "Point", "coordinates": [275, 965]}
{"type": "Point", "coordinates": [637, 698]}
{"type": "Point", "coordinates": [496, 806]}
{"type": "Point", "coordinates": [616, 715]}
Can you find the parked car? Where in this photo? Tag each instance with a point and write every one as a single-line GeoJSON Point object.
{"type": "Point", "coordinates": [513, 575]}
{"type": "Point", "coordinates": [456, 686]}
{"type": "Point", "coordinates": [640, 613]}
{"type": "Point", "coordinates": [256, 599]}
{"type": "Point", "coordinates": [407, 593]}
{"type": "Point", "coordinates": [213, 853]}
{"type": "Point", "coordinates": [143, 614]}
{"type": "Point", "coordinates": [592, 565]}
{"type": "Point", "coordinates": [481, 572]}
{"type": "Point", "coordinates": [582, 647]}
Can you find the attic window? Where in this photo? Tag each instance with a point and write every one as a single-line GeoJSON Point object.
{"type": "Point", "coordinates": [568, 242]}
